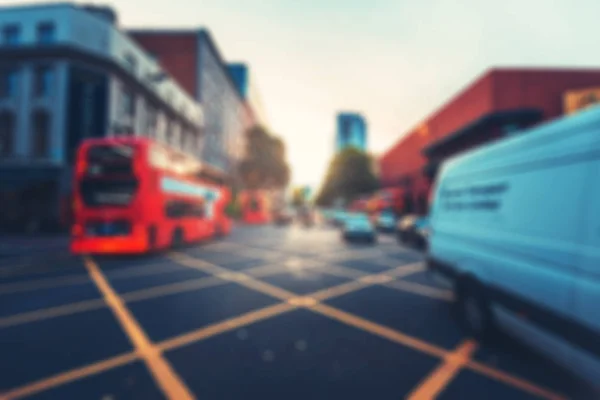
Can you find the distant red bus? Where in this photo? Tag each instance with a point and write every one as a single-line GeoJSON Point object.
{"type": "Point", "coordinates": [255, 207]}
{"type": "Point", "coordinates": [133, 195]}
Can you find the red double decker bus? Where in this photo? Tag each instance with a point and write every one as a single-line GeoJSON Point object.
{"type": "Point", "coordinates": [133, 195]}
{"type": "Point", "coordinates": [255, 207]}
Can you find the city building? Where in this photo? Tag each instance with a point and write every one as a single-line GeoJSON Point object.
{"type": "Point", "coordinates": [67, 73]}
{"type": "Point", "coordinates": [193, 59]}
{"type": "Point", "coordinates": [351, 131]}
{"type": "Point", "coordinates": [246, 84]}
{"type": "Point", "coordinates": [500, 103]}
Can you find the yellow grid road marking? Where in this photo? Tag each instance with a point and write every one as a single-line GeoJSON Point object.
{"type": "Point", "coordinates": [169, 382]}
{"type": "Point", "coordinates": [174, 288]}
{"type": "Point", "coordinates": [406, 269]}
{"type": "Point", "coordinates": [423, 290]}
{"type": "Point", "coordinates": [249, 282]}
{"type": "Point", "coordinates": [513, 381]}
{"type": "Point", "coordinates": [311, 302]}
{"type": "Point", "coordinates": [69, 376]}
{"type": "Point", "coordinates": [89, 305]}
{"type": "Point", "coordinates": [52, 312]}
{"type": "Point", "coordinates": [224, 326]}
{"type": "Point", "coordinates": [379, 330]}
{"type": "Point", "coordinates": [155, 267]}
{"type": "Point", "coordinates": [399, 337]}
{"type": "Point", "coordinates": [437, 381]}
{"type": "Point", "coordinates": [15, 287]}
{"type": "Point", "coordinates": [339, 290]}
{"type": "Point", "coordinates": [343, 272]}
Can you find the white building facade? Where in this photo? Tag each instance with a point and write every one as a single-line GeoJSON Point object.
{"type": "Point", "coordinates": [68, 73]}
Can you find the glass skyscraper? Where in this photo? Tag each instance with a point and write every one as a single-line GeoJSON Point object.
{"type": "Point", "coordinates": [351, 132]}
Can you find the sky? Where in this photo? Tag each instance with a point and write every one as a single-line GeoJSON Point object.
{"type": "Point", "coordinates": [395, 61]}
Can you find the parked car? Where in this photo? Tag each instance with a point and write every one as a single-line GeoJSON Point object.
{"type": "Point", "coordinates": [358, 227]}
{"type": "Point", "coordinates": [386, 222]}
{"type": "Point", "coordinates": [516, 230]}
{"type": "Point", "coordinates": [283, 217]}
{"type": "Point", "coordinates": [339, 218]}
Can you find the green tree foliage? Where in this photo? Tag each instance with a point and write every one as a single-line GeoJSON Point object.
{"type": "Point", "coordinates": [264, 165]}
{"type": "Point", "coordinates": [349, 175]}
{"type": "Point", "coordinates": [298, 197]}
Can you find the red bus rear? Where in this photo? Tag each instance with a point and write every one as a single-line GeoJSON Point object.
{"type": "Point", "coordinates": [133, 195]}
{"type": "Point", "coordinates": [255, 207]}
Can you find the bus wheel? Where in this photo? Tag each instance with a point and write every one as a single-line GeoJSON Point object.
{"type": "Point", "coordinates": [474, 310]}
{"type": "Point", "coordinates": [177, 238]}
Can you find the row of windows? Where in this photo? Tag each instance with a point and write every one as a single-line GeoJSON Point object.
{"type": "Point", "coordinates": [176, 209]}
{"type": "Point", "coordinates": [43, 81]}
{"type": "Point", "coordinates": [45, 34]}
{"type": "Point", "coordinates": [40, 134]}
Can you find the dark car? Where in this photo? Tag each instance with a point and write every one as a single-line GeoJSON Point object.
{"type": "Point", "coordinates": [283, 217]}
{"type": "Point", "coordinates": [421, 233]}
{"type": "Point", "coordinates": [413, 230]}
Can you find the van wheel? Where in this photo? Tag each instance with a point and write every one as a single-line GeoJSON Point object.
{"type": "Point", "coordinates": [177, 238]}
{"type": "Point", "coordinates": [474, 311]}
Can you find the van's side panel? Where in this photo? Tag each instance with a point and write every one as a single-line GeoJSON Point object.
{"type": "Point", "coordinates": [517, 216]}
{"type": "Point", "coordinates": [515, 228]}
{"type": "Point", "coordinates": [587, 289]}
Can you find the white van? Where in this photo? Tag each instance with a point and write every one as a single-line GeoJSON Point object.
{"type": "Point", "coordinates": [516, 228]}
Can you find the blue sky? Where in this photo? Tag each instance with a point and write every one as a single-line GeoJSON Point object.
{"type": "Point", "coordinates": [395, 61]}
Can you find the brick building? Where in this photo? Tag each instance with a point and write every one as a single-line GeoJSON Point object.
{"type": "Point", "coordinates": [193, 59]}
{"type": "Point", "coordinates": [501, 102]}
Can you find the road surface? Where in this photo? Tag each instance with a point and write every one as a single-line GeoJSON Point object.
{"type": "Point", "coordinates": [269, 312]}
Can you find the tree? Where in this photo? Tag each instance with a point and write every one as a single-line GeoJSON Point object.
{"type": "Point", "coordinates": [298, 199]}
{"type": "Point", "coordinates": [300, 196]}
{"type": "Point", "coordinates": [349, 175]}
{"type": "Point", "coordinates": [264, 165]}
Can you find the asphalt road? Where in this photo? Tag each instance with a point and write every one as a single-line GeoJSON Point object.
{"type": "Point", "coordinates": [269, 313]}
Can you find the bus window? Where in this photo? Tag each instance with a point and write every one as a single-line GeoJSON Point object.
{"type": "Point", "coordinates": [110, 159]}
{"type": "Point", "coordinates": [103, 192]}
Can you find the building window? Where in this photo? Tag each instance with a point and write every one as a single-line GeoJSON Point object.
{"type": "Point", "coordinates": [11, 35]}
{"type": "Point", "coordinates": [9, 81]}
{"type": "Point", "coordinates": [151, 120]}
{"type": "Point", "coordinates": [168, 131]}
{"type": "Point", "coordinates": [154, 57]}
{"type": "Point", "coordinates": [199, 141]}
{"type": "Point", "coordinates": [7, 133]}
{"type": "Point", "coordinates": [128, 103]}
{"type": "Point", "coordinates": [46, 33]}
{"type": "Point", "coordinates": [130, 63]}
{"type": "Point", "coordinates": [183, 139]}
{"type": "Point", "coordinates": [41, 134]}
{"type": "Point", "coordinates": [43, 82]}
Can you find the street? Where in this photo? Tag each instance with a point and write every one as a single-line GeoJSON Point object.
{"type": "Point", "coordinates": [268, 312]}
